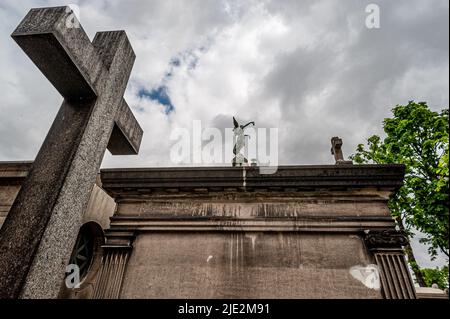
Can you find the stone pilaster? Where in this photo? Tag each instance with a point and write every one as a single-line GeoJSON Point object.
{"type": "Point", "coordinates": [386, 246]}
{"type": "Point", "coordinates": [116, 253]}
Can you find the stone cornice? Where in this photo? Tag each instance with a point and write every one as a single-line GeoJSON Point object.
{"type": "Point", "coordinates": [14, 173]}
{"type": "Point", "coordinates": [122, 182]}
{"type": "Point", "coordinates": [333, 224]}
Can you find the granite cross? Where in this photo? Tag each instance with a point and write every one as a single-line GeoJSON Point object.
{"type": "Point", "coordinates": [40, 230]}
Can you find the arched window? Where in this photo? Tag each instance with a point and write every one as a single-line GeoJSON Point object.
{"type": "Point", "coordinates": [89, 240]}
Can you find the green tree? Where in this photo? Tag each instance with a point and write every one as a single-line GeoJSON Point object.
{"type": "Point", "coordinates": [437, 276]}
{"type": "Point", "coordinates": [418, 138]}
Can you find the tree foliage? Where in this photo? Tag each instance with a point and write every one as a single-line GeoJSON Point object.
{"type": "Point", "coordinates": [438, 276]}
{"type": "Point", "coordinates": [418, 138]}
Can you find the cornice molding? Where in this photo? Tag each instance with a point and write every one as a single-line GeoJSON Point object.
{"type": "Point", "coordinates": [123, 182]}
{"type": "Point", "coordinates": [351, 224]}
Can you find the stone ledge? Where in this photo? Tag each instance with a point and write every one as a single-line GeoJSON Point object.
{"type": "Point", "coordinates": [127, 181]}
{"type": "Point", "coordinates": [331, 224]}
{"type": "Point", "coordinates": [14, 173]}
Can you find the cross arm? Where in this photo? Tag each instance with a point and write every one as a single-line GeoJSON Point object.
{"type": "Point", "coordinates": [55, 41]}
{"type": "Point", "coordinates": [58, 45]}
{"type": "Point", "coordinates": [126, 135]}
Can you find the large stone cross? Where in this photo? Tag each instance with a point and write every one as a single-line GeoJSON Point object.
{"type": "Point", "coordinates": [40, 230]}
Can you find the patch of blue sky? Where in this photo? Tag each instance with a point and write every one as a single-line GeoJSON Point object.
{"type": "Point", "coordinates": [160, 95]}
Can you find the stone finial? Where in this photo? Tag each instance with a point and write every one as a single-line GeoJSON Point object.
{"type": "Point", "coordinates": [336, 150]}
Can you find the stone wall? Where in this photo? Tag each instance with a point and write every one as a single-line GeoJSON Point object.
{"type": "Point", "coordinates": [233, 244]}
{"type": "Point", "coordinates": [232, 233]}
{"type": "Point", "coordinates": [245, 265]}
{"type": "Point", "coordinates": [12, 174]}
{"type": "Point", "coordinates": [100, 207]}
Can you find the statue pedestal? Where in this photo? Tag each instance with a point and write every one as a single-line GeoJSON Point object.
{"type": "Point", "coordinates": [239, 160]}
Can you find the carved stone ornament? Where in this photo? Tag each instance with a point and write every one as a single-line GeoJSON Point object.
{"type": "Point", "coordinates": [388, 238]}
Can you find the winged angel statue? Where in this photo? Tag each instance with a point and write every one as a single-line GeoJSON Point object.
{"type": "Point", "coordinates": [239, 142]}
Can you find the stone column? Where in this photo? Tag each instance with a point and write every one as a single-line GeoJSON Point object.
{"type": "Point", "coordinates": [386, 246]}
{"type": "Point", "coordinates": [114, 261]}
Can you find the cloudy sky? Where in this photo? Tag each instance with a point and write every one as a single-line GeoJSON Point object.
{"type": "Point", "coordinates": [312, 69]}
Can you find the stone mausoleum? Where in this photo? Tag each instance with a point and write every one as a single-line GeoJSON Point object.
{"type": "Point", "coordinates": [231, 232]}
{"type": "Point", "coordinates": [321, 231]}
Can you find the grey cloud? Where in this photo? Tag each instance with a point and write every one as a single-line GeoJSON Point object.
{"type": "Point", "coordinates": [360, 71]}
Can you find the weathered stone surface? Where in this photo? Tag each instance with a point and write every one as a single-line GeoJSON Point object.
{"type": "Point", "coordinates": [38, 235]}
{"type": "Point", "coordinates": [395, 277]}
{"type": "Point", "coordinates": [218, 244]}
{"type": "Point", "coordinates": [100, 209]}
{"type": "Point", "coordinates": [221, 233]}
{"type": "Point", "coordinates": [245, 265]}
{"type": "Point", "coordinates": [263, 206]}
{"type": "Point", "coordinates": [12, 175]}
{"type": "Point", "coordinates": [126, 135]}
{"type": "Point", "coordinates": [431, 293]}
{"type": "Point", "coordinates": [305, 177]}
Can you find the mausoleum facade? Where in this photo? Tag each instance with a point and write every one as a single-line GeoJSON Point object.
{"type": "Point", "coordinates": [232, 232]}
